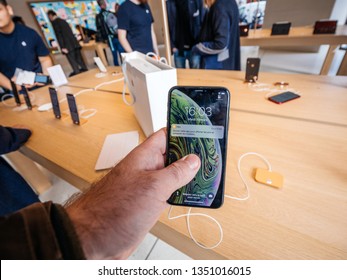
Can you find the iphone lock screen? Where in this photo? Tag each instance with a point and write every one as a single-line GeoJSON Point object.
{"type": "Point", "coordinates": [198, 124]}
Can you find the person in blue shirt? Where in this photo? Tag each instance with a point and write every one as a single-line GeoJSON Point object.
{"type": "Point", "coordinates": [135, 27]}
{"type": "Point", "coordinates": [20, 47]}
{"type": "Point", "coordinates": [219, 44]}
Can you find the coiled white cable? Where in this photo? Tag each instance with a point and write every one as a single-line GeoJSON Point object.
{"type": "Point", "coordinates": [189, 214]}
{"type": "Point", "coordinates": [4, 102]}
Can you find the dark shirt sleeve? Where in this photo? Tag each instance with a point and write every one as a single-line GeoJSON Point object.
{"type": "Point", "coordinates": [150, 12]}
{"type": "Point", "coordinates": [39, 231]}
{"type": "Point", "coordinates": [40, 47]}
{"type": "Point", "coordinates": [12, 138]}
{"type": "Point", "coordinates": [123, 18]}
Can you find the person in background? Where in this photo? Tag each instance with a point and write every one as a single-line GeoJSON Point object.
{"type": "Point", "coordinates": [107, 221]}
{"type": "Point", "coordinates": [107, 30]}
{"type": "Point", "coordinates": [15, 193]}
{"type": "Point", "coordinates": [185, 19]}
{"type": "Point", "coordinates": [135, 27]}
{"type": "Point", "coordinates": [20, 47]}
{"type": "Point", "coordinates": [219, 44]}
{"type": "Point", "coordinates": [68, 43]}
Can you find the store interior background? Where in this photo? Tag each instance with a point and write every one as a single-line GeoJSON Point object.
{"type": "Point", "coordinates": [301, 60]}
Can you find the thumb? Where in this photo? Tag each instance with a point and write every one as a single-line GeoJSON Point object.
{"type": "Point", "coordinates": [179, 173]}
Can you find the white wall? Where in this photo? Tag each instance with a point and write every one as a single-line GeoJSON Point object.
{"type": "Point", "coordinates": [340, 11]}
{"type": "Point", "coordinates": [298, 12]}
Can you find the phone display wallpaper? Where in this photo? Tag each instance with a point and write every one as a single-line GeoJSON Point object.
{"type": "Point", "coordinates": [197, 126]}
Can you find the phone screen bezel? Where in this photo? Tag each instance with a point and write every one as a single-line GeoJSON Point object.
{"type": "Point", "coordinates": [218, 201]}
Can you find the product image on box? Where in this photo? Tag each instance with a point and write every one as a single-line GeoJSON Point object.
{"type": "Point", "coordinates": [325, 26]}
{"type": "Point", "coordinates": [281, 28]}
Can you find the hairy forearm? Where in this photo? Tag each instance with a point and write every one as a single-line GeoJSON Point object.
{"type": "Point", "coordinates": [115, 214]}
{"type": "Point", "coordinates": [107, 223]}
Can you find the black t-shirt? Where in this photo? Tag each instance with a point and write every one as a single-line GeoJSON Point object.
{"type": "Point", "coordinates": [21, 49]}
{"type": "Point", "coordinates": [137, 21]}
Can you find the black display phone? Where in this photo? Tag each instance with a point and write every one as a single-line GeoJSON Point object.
{"type": "Point", "coordinates": [325, 26]}
{"type": "Point", "coordinates": [42, 79]}
{"type": "Point", "coordinates": [252, 69]}
{"type": "Point", "coordinates": [25, 93]}
{"type": "Point", "coordinates": [73, 108]}
{"type": "Point", "coordinates": [284, 97]}
{"type": "Point", "coordinates": [15, 93]}
{"type": "Point", "coordinates": [281, 28]}
{"type": "Point", "coordinates": [198, 120]}
{"type": "Point", "coordinates": [55, 102]}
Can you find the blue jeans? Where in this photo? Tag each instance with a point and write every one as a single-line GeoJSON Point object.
{"type": "Point", "coordinates": [211, 62]}
{"type": "Point", "coordinates": [116, 49]}
{"type": "Point", "coordinates": [180, 60]}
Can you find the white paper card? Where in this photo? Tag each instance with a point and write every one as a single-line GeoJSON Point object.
{"type": "Point", "coordinates": [100, 65]}
{"type": "Point", "coordinates": [25, 78]}
{"type": "Point", "coordinates": [115, 148]}
{"type": "Point", "coordinates": [57, 75]}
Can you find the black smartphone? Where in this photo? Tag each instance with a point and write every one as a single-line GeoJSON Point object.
{"type": "Point", "coordinates": [325, 26]}
{"type": "Point", "coordinates": [73, 108]}
{"type": "Point", "coordinates": [198, 120]}
{"type": "Point", "coordinates": [55, 102]}
{"type": "Point", "coordinates": [42, 79]}
{"type": "Point", "coordinates": [284, 97]}
{"type": "Point", "coordinates": [281, 28]}
{"type": "Point", "coordinates": [15, 93]}
{"type": "Point", "coordinates": [25, 93]}
{"type": "Point", "coordinates": [252, 69]}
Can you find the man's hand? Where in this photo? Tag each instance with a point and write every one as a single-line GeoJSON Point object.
{"type": "Point", "coordinates": [115, 214]}
{"type": "Point", "coordinates": [64, 50]}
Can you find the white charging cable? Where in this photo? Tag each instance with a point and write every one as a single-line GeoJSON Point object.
{"type": "Point", "coordinates": [5, 97]}
{"type": "Point", "coordinates": [189, 214]}
{"type": "Point", "coordinates": [107, 83]}
{"type": "Point", "coordinates": [13, 104]}
{"type": "Point", "coordinates": [92, 113]}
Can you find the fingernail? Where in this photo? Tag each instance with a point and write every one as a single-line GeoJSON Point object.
{"type": "Point", "coordinates": [193, 161]}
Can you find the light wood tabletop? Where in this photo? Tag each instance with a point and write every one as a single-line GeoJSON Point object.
{"type": "Point", "coordinates": [299, 36]}
{"type": "Point", "coordinates": [303, 220]}
{"type": "Point", "coordinates": [323, 98]}
{"type": "Point", "coordinates": [71, 151]}
{"type": "Point", "coordinates": [112, 80]}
